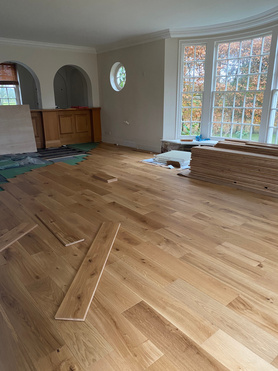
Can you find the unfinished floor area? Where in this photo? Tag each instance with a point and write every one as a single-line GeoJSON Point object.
{"type": "Point", "coordinates": [191, 282]}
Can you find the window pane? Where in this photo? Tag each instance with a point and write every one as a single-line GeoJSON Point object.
{"type": "Point", "coordinates": [188, 85]}
{"type": "Point", "coordinates": [186, 100]}
{"type": "Point", "coordinates": [227, 115]}
{"type": "Point", "coordinates": [197, 100]}
{"type": "Point", "coordinates": [195, 130]}
{"type": "Point", "coordinates": [237, 131]}
{"type": "Point", "coordinates": [226, 130]}
{"type": "Point", "coordinates": [223, 50]}
{"type": "Point", "coordinates": [185, 129]}
{"type": "Point", "coordinates": [11, 92]}
{"type": "Point", "coordinates": [257, 46]}
{"type": "Point", "coordinates": [238, 115]}
{"type": "Point", "coordinates": [246, 132]}
{"type": "Point", "coordinates": [267, 44]}
{"type": "Point", "coordinates": [218, 99]}
{"type": "Point", "coordinates": [234, 50]}
{"type": "Point", "coordinates": [216, 130]}
{"type": "Point", "coordinates": [3, 93]}
{"type": "Point", "coordinates": [246, 48]}
{"type": "Point", "coordinates": [186, 114]}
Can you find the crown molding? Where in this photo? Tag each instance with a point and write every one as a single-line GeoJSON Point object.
{"type": "Point", "coordinates": [262, 19]}
{"type": "Point", "coordinates": [142, 39]}
{"type": "Point", "coordinates": [36, 44]}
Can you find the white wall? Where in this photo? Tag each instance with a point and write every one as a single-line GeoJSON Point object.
{"type": "Point", "coordinates": [45, 62]}
{"type": "Point", "coordinates": [170, 88]}
{"type": "Point", "coordinates": [140, 102]}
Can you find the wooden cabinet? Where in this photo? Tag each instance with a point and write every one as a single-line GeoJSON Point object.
{"type": "Point", "coordinates": [69, 126]}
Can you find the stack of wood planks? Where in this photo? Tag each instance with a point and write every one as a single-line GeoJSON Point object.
{"type": "Point", "coordinates": [246, 165]}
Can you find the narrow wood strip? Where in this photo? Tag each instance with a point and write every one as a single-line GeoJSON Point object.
{"type": "Point", "coordinates": [15, 234]}
{"type": "Point", "coordinates": [81, 292]}
{"type": "Point", "coordinates": [58, 228]}
{"type": "Point", "coordinates": [105, 177]}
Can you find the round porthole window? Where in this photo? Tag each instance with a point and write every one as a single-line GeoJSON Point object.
{"type": "Point", "coordinates": [118, 76]}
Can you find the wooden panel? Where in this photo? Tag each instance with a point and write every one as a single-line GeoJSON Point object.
{"type": "Point", "coordinates": [96, 124]}
{"type": "Point", "coordinates": [38, 128]}
{"type": "Point", "coordinates": [16, 130]}
{"type": "Point", "coordinates": [69, 126]}
{"type": "Point", "coordinates": [82, 123]}
{"type": "Point", "coordinates": [58, 228]}
{"type": "Point", "coordinates": [81, 292]}
{"type": "Point", "coordinates": [105, 177]}
{"type": "Point", "coordinates": [15, 234]}
{"type": "Point", "coordinates": [66, 124]}
{"type": "Point", "coordinates": [51, 129]}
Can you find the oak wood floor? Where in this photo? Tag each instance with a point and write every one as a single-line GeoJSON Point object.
{"type": "Point", "coordinates": [191, 282]}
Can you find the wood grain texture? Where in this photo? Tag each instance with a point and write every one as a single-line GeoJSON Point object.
{"type": "Point", "coordinates": [15, 234]}
{"type": "Point", "coordinates": [60, 230]}
{"type": "Point", "coordinates": [233, 355]}
{"type": "Point", "coordinates": [105, 177]}
{"type": "Point", "coordinates": [183, 352]}
{"type": "Point", "coordinates": [81, 292]}
{"type": "Point", "coordinates": [243, 166]}
{"type": "Point", "coordinates": [219, 242]}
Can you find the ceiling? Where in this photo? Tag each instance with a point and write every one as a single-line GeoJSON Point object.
{"type": "Point", "coordinates": [96, 23]}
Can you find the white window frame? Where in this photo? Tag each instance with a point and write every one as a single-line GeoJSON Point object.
{"type": "Point", "coordinates": [17, 93]}
{"type": "Point", "coordinates": [210, 66]}
{"type": "Point", "coordinates": [180, 87]}
{"type": "Point", "coordinates": [244, 92]}
{"type": "Point", "coordinates": [114, 76]}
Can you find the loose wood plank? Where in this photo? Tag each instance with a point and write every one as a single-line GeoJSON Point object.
{"type": "Point", "coordinates": [105, 177]}
{"type": "Point", "coordinates": [58, 228]}
{"type": "Point", "coordinates": [15, 234]}
{"type": "Point", "coordinates": [81, 292]}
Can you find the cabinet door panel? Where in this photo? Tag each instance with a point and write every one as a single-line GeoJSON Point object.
{"type": "Point", "coordinates": [66, 124]}
{"type": "Point", "coordinates": [82, 123]}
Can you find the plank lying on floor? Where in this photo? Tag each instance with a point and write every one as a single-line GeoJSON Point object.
{"type": "Point", "coordinates": [77, 301]}
{"type": "Point", "coordinates": [105, 177]}
{"type": "Point", "coordinates": [58, 228]}
{"type": "Point", "coordinates": [15, 234]}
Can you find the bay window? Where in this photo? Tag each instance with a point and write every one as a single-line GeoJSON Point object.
{"type": "Point", "coordinates": [226, 88]}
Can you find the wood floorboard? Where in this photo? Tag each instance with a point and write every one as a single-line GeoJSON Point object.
{"type": "Point", "coordinates": [191, 282]}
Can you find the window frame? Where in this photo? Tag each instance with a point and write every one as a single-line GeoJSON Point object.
{"type": "Point", "coordinates": [182, 45]}
{"type": "Point", "coordinates": [17, 94]}
{"type": "Point", "coordinates": [210, 70]}
{"type": "Point", "coordinates": [245, 92]}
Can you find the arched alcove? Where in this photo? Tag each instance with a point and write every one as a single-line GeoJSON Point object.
{"type": "Point", "coordinates": [29, 85]}
{"type": "Point", "coordinates": [72, 87]}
